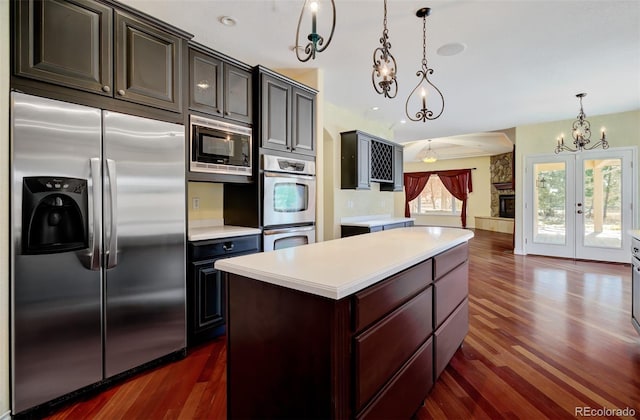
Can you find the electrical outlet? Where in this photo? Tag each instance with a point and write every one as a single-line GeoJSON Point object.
{"type": "Point", "coordinates": [196, 203]}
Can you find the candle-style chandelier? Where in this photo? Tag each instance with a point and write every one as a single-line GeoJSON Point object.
{"type": "Point", "coordinates": [424, 84]}
{"type": "Point", "coordinates": [385, 69]}
{"type": "Point", "coordinates": [317, 42]}
{"type": "Point", "coordinates": [581, 133]}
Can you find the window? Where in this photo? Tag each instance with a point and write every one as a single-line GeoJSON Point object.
{"type": "Point", "coordinates": [435, 199]}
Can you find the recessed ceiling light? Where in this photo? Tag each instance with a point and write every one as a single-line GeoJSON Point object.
{"type": "Point", "coordinates": [374, 108]}
{"type": "Point", "coordinates": [228, 20]}
{"type": "Point", "coordinates": [453, 48]}
{"type": "Point", "coordinates": [403, 121]}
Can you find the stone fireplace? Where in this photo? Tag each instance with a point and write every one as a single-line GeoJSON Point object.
{"type": "Point", "coordinates": [502, 181]}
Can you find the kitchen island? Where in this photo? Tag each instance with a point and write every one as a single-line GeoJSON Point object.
{"type": "Point", "coordinates": [354, 327]}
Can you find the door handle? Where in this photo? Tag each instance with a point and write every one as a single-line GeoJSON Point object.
{"type": "Point", "coordinates": [94, 168]}
{"type": "Point", "coordinates": [112, 252]}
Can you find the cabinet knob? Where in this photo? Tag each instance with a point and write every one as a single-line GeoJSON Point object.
{"type": "Point", "coordinates": [218, 111]}
{"type": "Point", "coordinates": [121, 92]}
{"type": "Point", "coordinates": [106, 89]}
{"type": "Point", "coordinates": [227, 113]}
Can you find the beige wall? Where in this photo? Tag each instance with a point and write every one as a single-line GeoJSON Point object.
{"type": "Point", "coordinates": [4, 207]}
{"type": "Point", "coordinates": [623, 129]}
{"type": "Point", "coordinates": [340, 203]}
{"type": "Point", "coordinates": [479, 202]}
{"type": "Point", "coordinates": [211, 199]}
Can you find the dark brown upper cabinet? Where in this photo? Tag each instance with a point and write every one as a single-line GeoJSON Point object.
{"type": "Point", "coordinates": [287, 114]}
{"type": "Point", "coordinates": [148, 64]}
{"type": "Point", "coordinates": [66, 43]}
{"type": "Point", "coordinates": [79, 44]}
{"type": "Point", "coordinates": [219, 87]}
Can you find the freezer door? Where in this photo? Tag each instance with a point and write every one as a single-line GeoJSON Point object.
{"type": "Point", "coordinates": [55, 281]}
{"type": "Point", "coordinates": [144, 205]}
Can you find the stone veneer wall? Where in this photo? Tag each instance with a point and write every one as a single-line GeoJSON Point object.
{"type": "Point", "coordinates": [501, 171]}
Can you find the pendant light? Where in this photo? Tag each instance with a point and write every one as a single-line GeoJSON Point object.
{"type": "Point", "coordinates": [316, 42]}
{"type": "Point", "coordinates": [581, 133]}
{"type": "Point", "coordinates": [428, 155]}
{"type": "Point", "coordinates": [385, 69]}
{"type": "Point", "coordinates": [425, 89]}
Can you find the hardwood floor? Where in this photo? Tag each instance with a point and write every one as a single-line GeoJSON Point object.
{"type": "Point", "coordinates": [547, 337]}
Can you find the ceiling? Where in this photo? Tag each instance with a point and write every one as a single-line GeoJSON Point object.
{"type": "Point", "coordinates": [523, 64]}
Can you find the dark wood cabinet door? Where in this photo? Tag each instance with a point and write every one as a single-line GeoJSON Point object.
{"type": "Point", "coordinates": [209, 302]}
{"type": "Point", "coordinates": [68, 43]}
{"type": "Point", "coordinates": [398, 171]}
{"type": "Point", "coordinates": [237, 94]}
{"type": "Point", "coordinates": [276, 114]}
{"type": "Point", "coordinates": [205, 83]}
{"type": "Point", "coordinates": [304, 127]}
{"type": "Point", "coordinates": [148, 64]}
{"type": "Point", "coordinates": [364, 162]}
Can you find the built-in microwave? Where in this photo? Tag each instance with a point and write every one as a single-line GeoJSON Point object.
{"type": "Point", "coordinates": [219, 147]}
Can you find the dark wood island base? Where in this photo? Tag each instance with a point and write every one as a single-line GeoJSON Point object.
{"type": "Point", "coordinates": [373, 354]}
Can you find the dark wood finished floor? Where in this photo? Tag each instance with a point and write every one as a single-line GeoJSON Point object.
{"type": "Point", "coordinates": [547, 337]}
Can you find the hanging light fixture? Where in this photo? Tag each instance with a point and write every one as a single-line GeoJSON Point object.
{"type": "Point", "coordinates": [424, 85]}
{"type": "Point", "coordinates": [316, 42]}
{"type": "Point", "coordinates": [581, 133]}
{"type": "Point", "coordinates": [427, 155]}
{"type": "Point", "coordinates": [384, 71]}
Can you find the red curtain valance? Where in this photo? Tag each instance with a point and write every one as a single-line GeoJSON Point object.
{"type": "Point", "coordinates": [456, 181]}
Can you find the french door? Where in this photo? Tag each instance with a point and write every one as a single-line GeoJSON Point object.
{"type": "Point", "coordinates": [580, 205]}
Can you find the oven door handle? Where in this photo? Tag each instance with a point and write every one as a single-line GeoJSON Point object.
{"type": "Point", "coordinates": [288, 230]}
{"type": "Point", "coordinates": [288, 175]}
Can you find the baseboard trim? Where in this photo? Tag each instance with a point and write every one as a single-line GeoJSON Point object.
{"type": "Point", "coordinates": [6, 416]}
{"type": "Point", "coordinates": [519, 251]}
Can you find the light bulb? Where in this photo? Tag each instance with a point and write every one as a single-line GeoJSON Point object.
{"type": "Point", "coordinates": [313, 6]}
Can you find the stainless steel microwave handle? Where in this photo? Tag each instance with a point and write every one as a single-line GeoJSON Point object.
{"type": "Point", "coordinates": [288, 175]}
{"type": "Point", "coordinates": [112, 253]}
{"type": "Point", "coordinates": [289, 230]}
{"type": "Point", "coordinates": [94, 167]}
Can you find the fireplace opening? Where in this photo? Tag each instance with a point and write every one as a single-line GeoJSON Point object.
{"type": "Point", "coordinates": [508, 205]}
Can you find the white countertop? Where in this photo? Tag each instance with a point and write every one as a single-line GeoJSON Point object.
{"type": "Point", "coordinates": [635, 234]}
{"type": "Point", "coordinates": [202, 233]}
{"type": "Point", "coordinates": [341, 267]}
{"type": "Point", "coordinates": [371, 221]}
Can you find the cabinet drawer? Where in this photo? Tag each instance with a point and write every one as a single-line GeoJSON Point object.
{"type": "Point", "coordinates": [406, 391]}
{"type": "Point", "coordinates": [448, 260]}
{"type": "Point", "coordinates": [450, 290]}
{"type": "Point", "coordinates": [376, 301]}
{"type": "Point", "coordinates": [214, 248]}
{"type": "Point", "coordinates": [450, 336]}
{"type": "Point", "coordinates": [381, 350]}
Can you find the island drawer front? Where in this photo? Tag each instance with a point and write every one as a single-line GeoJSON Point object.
{"type": "Point", "coordinates": [450, 336]}
{"type": "Point", "coordinates": [406, 391]}
{"type": "Point", "coordinates": [448, 260]}
{"type": "Point", "coordinates": [450, 290]}
{"type": "Point", "coordinates": [385, 347]}
{"type": "Point", "coordinates": [213, 248]}
{"type": "Point", "coordinates": [376, 301]}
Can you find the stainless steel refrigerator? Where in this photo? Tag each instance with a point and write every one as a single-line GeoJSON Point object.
{"type": "Point", "coordinates": [98, 245]}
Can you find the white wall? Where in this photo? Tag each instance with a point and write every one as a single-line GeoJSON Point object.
{"type": "Point", "coordinates": [623, 129]}
{"type": "Point", "coordinates": [4, 207]}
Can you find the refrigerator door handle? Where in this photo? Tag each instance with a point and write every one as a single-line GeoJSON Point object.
{"type": "Point", "coordinates": [112, 253]}
{"type": "Point", "coordinates": [94, 166]}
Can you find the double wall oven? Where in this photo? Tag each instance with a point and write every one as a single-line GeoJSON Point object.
{"type": "Point", "coordinates": [289, 202]}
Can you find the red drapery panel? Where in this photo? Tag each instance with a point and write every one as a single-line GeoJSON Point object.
{"type": "Point", "coordinates": [457, 182]}
{"type": "Point", "coordinates": [414, 183]}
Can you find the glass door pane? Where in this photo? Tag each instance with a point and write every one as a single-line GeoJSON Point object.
{"type": "Point", "coordinates": [602, 205]}
{"type": "Point", "coordinates": [550, 224]}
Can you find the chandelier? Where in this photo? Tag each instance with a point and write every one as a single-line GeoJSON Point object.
{"type": "Point", "coordinates": [424, 85]}
{"type": "Point", "coordinates": [427, 155]}
{"type": "Point", "coordinates": [581, 133]}
{"type": "Point", "coordinates": [316, 42]}
{"type": "Point", "coordinates": [384, 71]}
